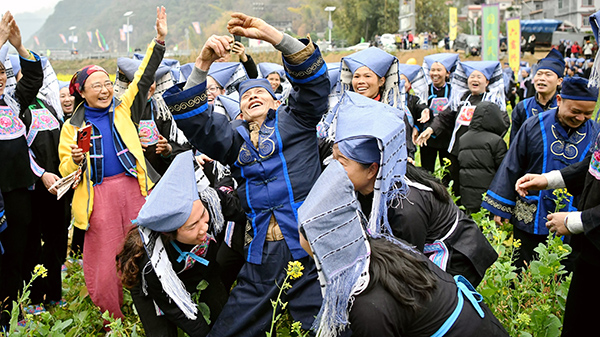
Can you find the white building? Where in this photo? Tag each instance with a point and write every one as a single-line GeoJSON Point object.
{"type": "Point", "coordinates": [572, 12]}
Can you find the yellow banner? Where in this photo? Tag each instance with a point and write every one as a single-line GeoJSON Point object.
{"type": "Point", "coordinates": [453, 23]}
{"type": "Point", "coordinates": [513, 32]}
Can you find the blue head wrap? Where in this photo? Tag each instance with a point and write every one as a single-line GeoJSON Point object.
{"type": "Point", "coordinates": [577, 89]}
{"type": "Point", "coordinates": [373, 58]}
{"type": "Point", "coordinates": [487, 68]}
{"type": "Point", "coordinates": [554, 62]}
{"type": "Point", "coordinates": [222, 72]}
{"type": "Point", "coordinates": [129, 66]}
{"type": "Point", "coordinates": [170, 204]}
{"type": "Point", "coordinates": [362, 150]}
{"type": "Point", "coordinates": [411, 71]}
{"type": "Point", "coordinates": [448, 60]}
{"type": "Point", "coordinates": [231, 106]}
{"type": "Point", "coordinates": [267, 68]}
{"type": "Point", "coordinates": [186, 70]}
{"type": "Point", "coordinates": [16, 63]}
{"type": "Point", "coordinates": [330, 220]}
{"type": "Point", "coordinates": [253, 83]}
{"type": "Point", "coordinates": [362, 117]}
{"type": "Point", "coordinates": [333, 70]}
{"type": "Point", "coordinates": [63, 84]}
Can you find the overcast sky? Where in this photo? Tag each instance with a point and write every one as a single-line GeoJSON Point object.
{"type": "Point", "coordinates": [22, 6]}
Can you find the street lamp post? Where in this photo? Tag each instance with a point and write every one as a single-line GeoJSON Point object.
{"type": "Point", "coordinates": [72, 29]}
{"type": "Point", "coordinates": [329, 23]}
{"type": "Point", "coordinates": [128, 15]}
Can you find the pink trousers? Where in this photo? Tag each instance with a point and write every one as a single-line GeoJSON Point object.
{"type": "Point", "coordinates": [117, 201]}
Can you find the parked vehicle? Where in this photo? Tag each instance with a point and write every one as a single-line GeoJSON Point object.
{"type": "Point", "coordinates": [471, 44]}
{"type": "Point", "coordinates": [359, 46]}
{"type": "Point", "coordinates": [388, 42]}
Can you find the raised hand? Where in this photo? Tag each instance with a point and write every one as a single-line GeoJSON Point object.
{"type": "Point", "coordinates": [9, 30]}
{"type": "Point", "coordinates": [254, 28]}
{"type": "Point", "coordinates": [161, 23]}
{"type": "Point", "coordinates": [214, 48]}
{"type": "Point", "coordinates": [239, 49]}
{"type": "Point", "coordinates": [5, 27]}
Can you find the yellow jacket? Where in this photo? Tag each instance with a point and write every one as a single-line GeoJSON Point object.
{"type": "Point", "coordinates": [133, 98]}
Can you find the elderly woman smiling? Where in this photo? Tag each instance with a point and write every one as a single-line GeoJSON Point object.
{"type": "Point", "coordinates": [115, 177]}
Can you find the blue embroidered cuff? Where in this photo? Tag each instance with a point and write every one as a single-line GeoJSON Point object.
{"type": "Point", "coordinates": [186, 103]}
{"type": "Point", "coordinates": [308, 70]}
{"type": "Point", "coordinates": [498, 205]}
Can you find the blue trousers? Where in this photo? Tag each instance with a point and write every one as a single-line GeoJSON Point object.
{"type": "Point", "coordinates": [248, 311]}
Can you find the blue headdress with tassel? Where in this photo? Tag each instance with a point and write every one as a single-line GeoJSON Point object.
{"type": "Point", "coordinates": [361, 117]}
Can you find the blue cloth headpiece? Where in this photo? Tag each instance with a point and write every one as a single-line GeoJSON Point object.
{"type": "Point", "coordinates": [361, 150]}
{"type": "Point", "coordinates": [16, 63]}
{"type": "Point", "coordinates": [222, 72]}
{"type": "Point", "coordinates": [63, 84]}
{"type": "Point", "coordinates": [129, 66]}
{"type": "Point", "coordinates": [267, 68]}
{"type": "Point", "coordinates": [409, 70]}
{"type": "Point", "coordinates": [577, 89]}
{"type": "Point", "coordinates": [4, 54]}
{"type": "Point", "coordinates": [186, 70]}
{"type": "Point", "coordinates": [333, 70]}
{"type": "Point", "coordinates": [253, 83]}
{"type": "Point", "coordinates": [362, 117]}
{"type": "Point", "coordinates": [487, 68]}
{"type": "Point", "coordinates": [373, 58]}
{"type": "Point", "coordinates": [231, 106]}
{"type": "Point", "coordinates": [330, 220]}
{"type": "Point", "coordinates": [554, 62]}
{"type": "Point", "coordinates": [448, 60]}
{"type": "Point", "coordinates": [170, 204]}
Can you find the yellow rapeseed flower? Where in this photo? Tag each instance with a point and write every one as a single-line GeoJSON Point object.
{"type": "Point", "coordinates": [517, 243]}
{"type": "Point", "coordinates": [294, 269]}
{"type": "Point", "coordinates": [40, 270]}
{"type": "Point", "coordinates": [524, 318]}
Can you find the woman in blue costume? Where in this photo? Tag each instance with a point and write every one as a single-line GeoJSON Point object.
{"type": "Point", "coordinates": [374, 73]}
{"type": "Point", "coordinates": [170, 252]}
{"type": "Point", "coordinates": [375, 285]}
{"type": "Point", "coordinates": [438, 69]}
{"type": "Point", "coordinates": [413, 206]}
{"type": "Point", "coordinates": [546, 142]}
{"type": "Point", "coordinates": [273, 156]}
{"type": "Point", "coordinates": [473, 82]}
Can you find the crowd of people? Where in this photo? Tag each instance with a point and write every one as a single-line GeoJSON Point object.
{"type": "Point", "coordinates": [225, 172]}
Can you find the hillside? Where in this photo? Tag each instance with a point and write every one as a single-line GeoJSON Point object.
{"type": "Point", "coordinates": [107, 17]}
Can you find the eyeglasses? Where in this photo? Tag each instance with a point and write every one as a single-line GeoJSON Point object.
{"type": "Point", "coordinates": [97, 87]}
{"type": "Point", "coordinates": [213, 89]}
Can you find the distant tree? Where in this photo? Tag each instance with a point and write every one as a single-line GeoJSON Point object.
{"type": "Point", "coordinates": [432, 16]}
{"type": "Point", "coordinates": [366, 18]}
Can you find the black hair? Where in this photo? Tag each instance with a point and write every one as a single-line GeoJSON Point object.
{"type": "Point", "coordinates": [423, 177]}
{"type": "Point", "coordinates": [407, 278]}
